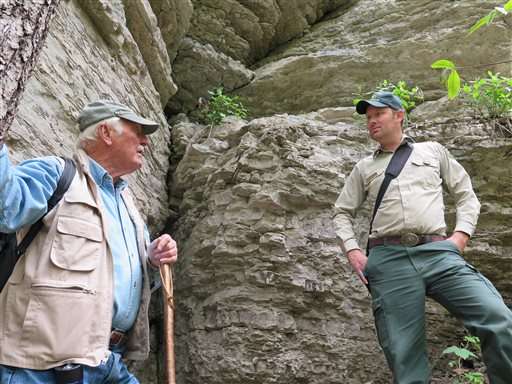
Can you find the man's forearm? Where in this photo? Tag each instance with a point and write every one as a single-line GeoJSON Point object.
{"type": "Point", "coordinates": [346, 207]}
{"type": "Point", "coordinates": [345, 233]}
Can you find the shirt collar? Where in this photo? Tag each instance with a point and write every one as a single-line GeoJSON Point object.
{"type": "Point", "coordinates": [102, 177]}
{"type": "Point", "coordinates": [379, 149]}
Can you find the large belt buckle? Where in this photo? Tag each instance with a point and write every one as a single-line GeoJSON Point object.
{"type": "Point", "coordinates": [410, 239]}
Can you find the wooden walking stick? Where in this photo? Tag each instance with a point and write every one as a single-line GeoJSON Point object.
{"type": "Point", "coordinates": [170, 368]}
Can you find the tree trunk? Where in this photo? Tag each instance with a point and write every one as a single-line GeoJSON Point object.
{"type": "Point", "coordinates": [24, 26]}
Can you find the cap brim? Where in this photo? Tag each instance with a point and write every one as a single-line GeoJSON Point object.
{"type": "Point", "coordinates": [148, 126]}
{"type": "Point", "coordinates": [363, 105]}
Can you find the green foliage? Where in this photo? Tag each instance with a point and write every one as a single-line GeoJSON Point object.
{"type": "Point", "coordinates": [490, 96]}
{"type": "Point", "coordinates": [443, 64]}
{"type": "Point", "coordinates": [486, 20]}
{"type": "Point", "coordinates": [473, 342]}
{"type": "Point", "coordinates": [461, 353]}
{"type": "Point", "coordinates": [452, 76]}
{"type": "Point", "coordinates": [221, 106]}
{"type": "Point", "coordinates": [453, 84]}
{"type": "Point", "coordinates": [470, 350]}
{"type": "Point", "coordinates": [489, 18]}
{"type": "Point", "coordinates": [473, 378]}
{"type": "Point", "coordinates": [410, 96]}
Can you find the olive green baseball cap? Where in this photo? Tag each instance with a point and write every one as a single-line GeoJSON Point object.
{"type": "Point", "coordinates": [103, 109]}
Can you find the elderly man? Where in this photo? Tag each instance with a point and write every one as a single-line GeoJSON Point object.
{"type": "Point", "coordinates": [77, 300]}
{"type": "Point", "coordinates": [409, 255]}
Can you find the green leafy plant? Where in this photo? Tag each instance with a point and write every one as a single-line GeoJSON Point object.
{"type": "Point", "coordinates": [411, 96]}
{"type": "Point", "coordinates": [489, 18]}
{"type": "Point", "coordinates": [451, 77]}
{"type": "Point", "coordinates": [470, 350]}
{"type": "Point", "coordinates": [473, 378]}
{"type": "Point", "coordinates": [490, 96]}
{"type": "Point", "coordinates": [221, 105]}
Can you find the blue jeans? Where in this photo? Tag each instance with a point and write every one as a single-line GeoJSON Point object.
{"type": "Point", "coordinates": [113, 371]}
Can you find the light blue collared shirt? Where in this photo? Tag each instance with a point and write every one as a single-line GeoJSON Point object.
{"type": "Point", "coordinates": [24, 192]}
{"type": "Point", "coordinates": [122, 240]}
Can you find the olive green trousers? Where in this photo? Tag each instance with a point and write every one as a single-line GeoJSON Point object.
{"type": "Point", "coordinates": [401, 277]}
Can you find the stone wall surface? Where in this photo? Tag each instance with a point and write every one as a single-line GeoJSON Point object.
{"type": "Point", "coordinates": [226, 37]}
{"type": "Point", "coordinates": [90, 53]}
{"type": "Point", "coordinates": [199, 68]}
{"type": "Point", "coordinates": [174, 21]}
{"type": "Point", "coordinates": [263, 293]}
{"type": "Point", "coordinates": [247, 30]}
{"type": "Point", "coordinates": [372, 41]}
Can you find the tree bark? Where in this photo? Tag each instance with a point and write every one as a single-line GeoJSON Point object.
{"type": "Point", "coordinates": [24, 26]}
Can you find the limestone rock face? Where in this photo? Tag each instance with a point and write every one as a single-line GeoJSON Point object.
{"type": "Point", "coordinates": [264, 291]}
{"type": "Point", "coordinates": [90, 53]}
{"type": "Point", "coordinates": [174, 21]}
{"type": "Point", "coordinates": [226, 36]}
{"type": "Point", "coordinates": [263, 294]}
{"type": "Point", "coordinates": [248, 30]}
{"type": "Point", "coordinates": [370, 42]}
{"type": "Point", "coordinates": [200, 68]}
{"type": "Point", "coordinates": [131, 29]}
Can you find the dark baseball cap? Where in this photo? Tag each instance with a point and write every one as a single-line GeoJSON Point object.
{"type": "Point", "coordinates": [380, 99]}
{"type": "Point", "coordinates": [103, 109]}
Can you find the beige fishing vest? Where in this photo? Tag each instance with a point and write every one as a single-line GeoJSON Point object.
{"type": "Point", "coordinates": [57, 305]}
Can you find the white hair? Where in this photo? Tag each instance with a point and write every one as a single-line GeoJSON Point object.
{"type": "Point", "coordinates": [90, 133]}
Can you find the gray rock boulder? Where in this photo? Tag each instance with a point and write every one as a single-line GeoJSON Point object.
{"type": "Point", "coordinates": [248, 30]}
{"type": "Point", "coordinates": [263, 289]}
{"type": "Point", "coordinates": [375, 40]}
{"type": "Point", "coordinates": [174, 21]}
{"type": "Point", "coordinates": [91, 54]}
{"type": "Point", "coordinates": [200, 68]}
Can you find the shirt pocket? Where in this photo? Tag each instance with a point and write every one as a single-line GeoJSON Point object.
{"type": "Point", "coordinates": [76, 246]}
{"type": "Point", "coordinates": [426, 170]}
{"type": "Point", "coordinates": [373, 183]}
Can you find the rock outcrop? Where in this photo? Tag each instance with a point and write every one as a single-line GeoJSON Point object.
{"type": "Point", "coordinates": [200, 68]}
{"type": "Point", "coordinates": [263, 293]}
{"type": "Point", "coordinates": [91, 53]}
{"type": "Point", "coordinates": [248, 30]}
{"type": "Point", "coordinates": [375, 40]}
{"type": "Point", "coordinates": [226, 37]}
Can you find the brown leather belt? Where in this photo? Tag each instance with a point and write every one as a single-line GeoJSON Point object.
{"type": "Point", "coordinates": [117, 338]}
{"type": "Point", "coordinates": [407, 239]}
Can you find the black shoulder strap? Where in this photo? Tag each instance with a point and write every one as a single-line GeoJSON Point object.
{"type": "Point", "coordinates": [62, 186]}
{"type": "Point", "coordinates": [395, 166]}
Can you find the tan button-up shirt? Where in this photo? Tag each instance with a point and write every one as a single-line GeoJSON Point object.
{"type": "Point", "coordinates": [413, 201]}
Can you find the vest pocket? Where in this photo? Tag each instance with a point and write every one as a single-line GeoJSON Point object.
{"type": "Point", "coordinates": [59, 321]}
{"type": "Point", "coordinates": [76, 245]}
